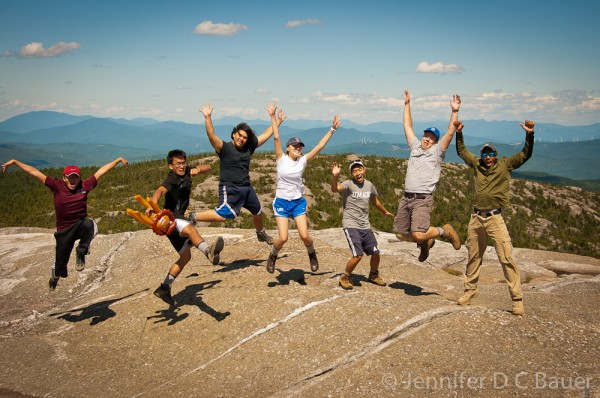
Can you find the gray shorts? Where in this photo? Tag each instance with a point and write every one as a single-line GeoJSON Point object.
{"type": "Point", "coordinates": [414, 215]}
{"type": "Point", "coordinates": [361, 241]}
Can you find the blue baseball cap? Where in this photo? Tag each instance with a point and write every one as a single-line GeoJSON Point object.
{"type": "Point", "coordinates": [434, 131]}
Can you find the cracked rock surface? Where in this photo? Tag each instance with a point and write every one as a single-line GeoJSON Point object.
{"type": "Point", "coordinates": [238, 331]}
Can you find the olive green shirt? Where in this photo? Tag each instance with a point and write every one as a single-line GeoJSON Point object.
{"type": "Point", "coordinates": [492, 184]}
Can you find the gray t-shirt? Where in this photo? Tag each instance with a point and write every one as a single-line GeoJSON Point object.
{"type": "Point", "coordinates": [355, 204]}
{"type": "Point", "coordinates": [424, 168]}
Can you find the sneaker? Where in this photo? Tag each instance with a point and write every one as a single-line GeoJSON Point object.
{"type": "Point", "coordinates": [425, 246]}
{"type": "Point", "coordinates": [80, 262]}
{"type": "Point", "coordinates": [263, 237]}
{"type": "Point", "coordinates": [314, 262]}
{"type": "Point", "coordinates": [52, 283]}
{"type": "Point", "coordinates": [192, 217]}
{"type": "Point", "coordinates": [376, 279]}
{"type": "Point", "coordinates": [164, 293]}
{"type": "Point", "coordinates": [465, 299]}
{"type": "Point", "coordinates": [451, 236]}
{"type": "Point", "coordinates": [271, 263]}
{"type": "Point", "coordinates": [517, 307]}
{"type": "Point", "coordinates": [214, 250]}
{"type": "Point", "coordinates": [346, 282]}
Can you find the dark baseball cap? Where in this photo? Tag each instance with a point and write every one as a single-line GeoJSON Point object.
{"type": "Point", "coordinates": [294, 141]}
{"type": "Point", "coordinates": [490, 146]}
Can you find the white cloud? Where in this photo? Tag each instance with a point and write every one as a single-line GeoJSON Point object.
{"type": "Point", "coordinates": [438, 67]}
{"type": "Point", "coordinates": [219, 29]}
{"type": "Point", "coordinates": [263, 91]}
{"type": "Point", "coordinates": [37, 50]}
{"type": "Point", "coordinates": [296, 23]}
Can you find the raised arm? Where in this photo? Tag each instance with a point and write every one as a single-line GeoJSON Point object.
{"type": "Point", "coordinates": [518, 159]}
{"type": "Point", "coordinates": [26, 168]}
{"type": "Point", "coordinates": [447, 138]}
{"type": "Point", "coordinates": [470, 158]}
{"type": "Point", "coordinates": [334, 126]}
{"type": "Point", "coordinates": [375, 201]}
{"type": "Point", "coordinates": [160, 191]}
{"type": "Point", "coordinates": [269, 130]}
{"type": "Point", "coordinates": [272, 109]}
{"type": "Point", "coordinates": [215, 141]}
{"type": "Point", "coordinates": [335, 172]}
{"type": "Point", "coordinates": [408, 126]}
{"type": "Point", "coordinates": [200, 169]}
{"type": "Point", "coordinates": [109, 166]}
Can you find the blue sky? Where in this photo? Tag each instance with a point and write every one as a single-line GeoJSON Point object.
{"type": "Point", "coordinates": [508, 60]}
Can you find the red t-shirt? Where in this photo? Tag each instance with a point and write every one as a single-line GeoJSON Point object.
{"type": "Point", "coordinates": [70, 206]}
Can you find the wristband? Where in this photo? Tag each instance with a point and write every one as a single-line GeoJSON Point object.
{"type": "Point", "coordinates": [454, 110]}
{"type": "Point", "coordinates": [332, 130]}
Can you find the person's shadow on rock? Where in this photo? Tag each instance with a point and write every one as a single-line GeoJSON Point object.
{"type": "Point", "coordinates": [189, 296]}
{"type": "Point", "coordinates": [97, 312]}
{"type": "Point", "coordinates": [241, 264]}
{"type": "Point", "coordinates": [285, 277]}
{"type": "Point", "coordinates": [411, 290]}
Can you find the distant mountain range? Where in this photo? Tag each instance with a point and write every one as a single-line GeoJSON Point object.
{"type": "Point", "coordinates": [53, 139]}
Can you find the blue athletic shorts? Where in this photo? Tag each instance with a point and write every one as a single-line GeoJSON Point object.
{"type": "Point", "coordinates": [361, 241]}
{"type": "Point", "coordinates": [289, 208]}
{"type": "Point", "coordinates": [233, 198]}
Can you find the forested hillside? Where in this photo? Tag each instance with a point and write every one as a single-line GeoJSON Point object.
{"type": "Point", "coordinates": [542, 216]}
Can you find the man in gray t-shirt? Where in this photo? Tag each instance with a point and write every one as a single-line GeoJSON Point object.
{"type": "Point", "coordinates": [412, 222]}
{"type": "Point", "coordinates": [357, 196]}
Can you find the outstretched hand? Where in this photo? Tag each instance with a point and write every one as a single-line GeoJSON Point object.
{"type": "Point", "coordinates": [336, 122]}
{"type": "Point", "coordinates": [281, 116]}
{"type": "Point", "coordinates": [528, 126]}
{"type": "Point", "coordinates": [272, 109]}
{"type": "Point", "coordinates": [335, 169]}
{"type": "Point", "coordinates": [406, 97]}
{"type": "Point", "coordinates": [455, 102]}
{"type": "Point", "coordinates": [5, 165]}
{"type": "Point", "coordinates": [206, 110]}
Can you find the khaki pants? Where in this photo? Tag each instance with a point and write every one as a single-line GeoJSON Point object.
{"type": "Point", "coordinates": [480, 228]}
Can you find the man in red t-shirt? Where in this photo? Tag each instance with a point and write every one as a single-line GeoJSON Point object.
{"type": "Point", "coordinates": [70, 207]}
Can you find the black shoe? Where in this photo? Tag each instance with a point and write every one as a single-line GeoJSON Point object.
{"type": "Point", "coordinates": [192, 217]}
{"type": "Point", "coordinates": [314, 263]}
{"type": "Point", "coordinates": [80, 262]}
{"type": "Point", "coordinates": [263, 237]}
{"type": "Point", "coordinates": [271, 263]}
{"type": "Point", "coordinates": [164, 293]}
{"type": "Point", "coordinates": [214, 250]}
{"type": "Point", "coordinates": [52, 283]}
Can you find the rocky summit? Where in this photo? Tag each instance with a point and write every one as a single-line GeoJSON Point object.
{"type": "Point", "coordinates": [239, 331]}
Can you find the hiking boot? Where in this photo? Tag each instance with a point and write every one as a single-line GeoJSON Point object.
{"type": "Point", "coordinates": [52, 283]}
{"type": "Point", "coordinates": [271, 263]}
{"type": "Point", "coordinates": [465, 299]}
{"type": "Point", "coordinates": [164, 293]}
{"type": "Point", "coordinates": [80, 262]}
{"type": "Point", "coordinates": [192, 217]}
{"type": "Point", "coordinates": [451, 236]}
{"type": "Point", "coordinates": [425, 246]}
{"type": "Point", "coordinates": [518, 308]}
{"type": "Point", "coordinates": [346, 282]}
{"type": "Point", "coordinates": [213, 251]}
{"type": "Point", "coordinates": [263, 237]}
{"type": "Point", "coordinates": [376, 279]}
{"type": "Point", "coordinates": [314, 262]}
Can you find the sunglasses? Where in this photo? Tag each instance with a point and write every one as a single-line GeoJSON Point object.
{"type": "Point", "coordinates": [488, 155]}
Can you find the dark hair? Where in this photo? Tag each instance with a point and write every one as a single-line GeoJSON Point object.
{"type": "Point", "coordinates": [251, 134]}
{"type": "Point", "coordinates": [175, 153]}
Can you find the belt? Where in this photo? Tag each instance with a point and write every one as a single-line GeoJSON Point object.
{"type": "Point", "coordinates": [415, 195]}
{"type": "Point", "coordinates": [487, 213]}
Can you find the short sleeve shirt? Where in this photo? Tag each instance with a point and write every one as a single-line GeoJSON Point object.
{"type": "Point", "coordinates": [424, 168]}
{"type": "Point", "coordinates": [356, 199]}
{"type": "Point", "coordinates": [289, 177]}
{"type": "Point", "coordinates": [70, 206]}
{"type": "Point", "coordinates": [235, 164]}
{"type": "Point", "coordinates": [179, 188]}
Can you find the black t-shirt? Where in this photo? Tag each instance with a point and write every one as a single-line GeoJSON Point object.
{"type": "Point", "coordinates": [179, 188]}
{"type": "Point", "coordinates": [235, 163]}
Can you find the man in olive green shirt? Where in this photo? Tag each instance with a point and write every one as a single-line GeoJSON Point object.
{"type": "Point", "coordinates": [492, 182]}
